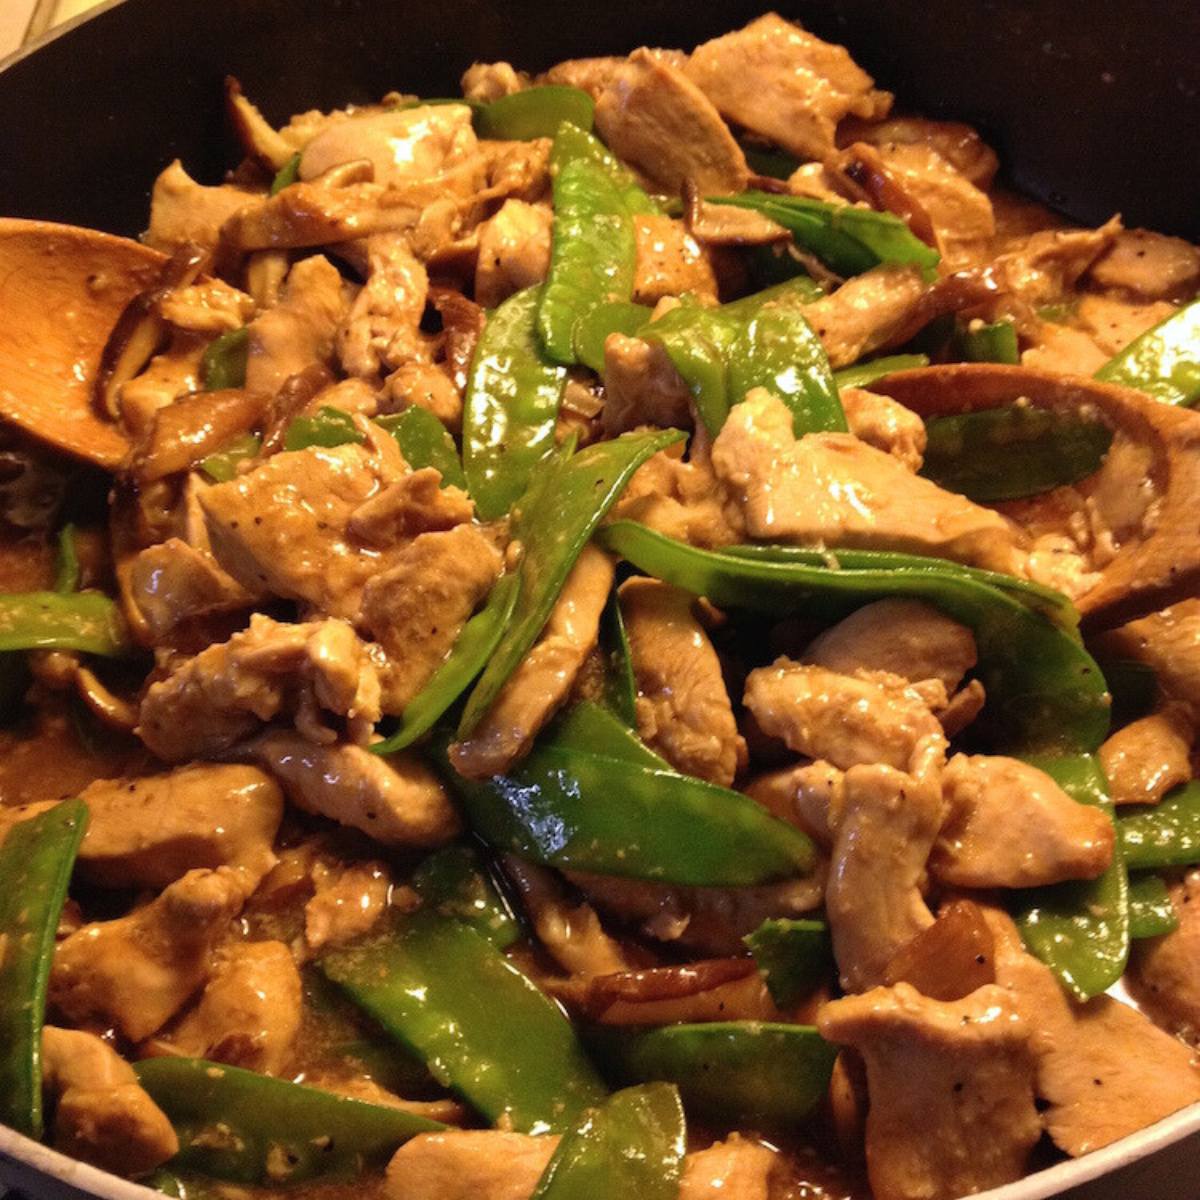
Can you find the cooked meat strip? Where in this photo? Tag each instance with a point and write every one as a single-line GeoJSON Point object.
{"type": "Point", "coordinates": [102, 1115]}
{"type": "Point", "coordinates": [469, 1164]}
{"type": "Point", "coordinates": [885, 424]}
{"type": "Point", "coordinates": [1164, 973]}
{"type": "Point", "coordinates": [249, 1012]}
{"type": "Point", "coordinates": [795, 490]}
{"type": "Point", "coordinates": [183, 211]}
{"type": "Point", "coordinates": [808, 795]}
{"type": "Point", "coordinates": [542, 679]}
{"type": "Point", "coordinates": [382, 329]}
{"type": "Point", "coordinates": [654, 117]}
{"type": "Point", "coordinates": [1148, 265]}
{"type": "Point", "coordinates": [683, 709]}
{"type": "Point", "coordinates": [348, 899]}
{"type": "Point", "coordinates": [136, 972]}
{"type": "Point", "coordinates": [397, 801]}
{"type": "Point", "coordinates": [951, 1089]}
{"type": "Point", "coordinates": [415, 504]}
{"type": "Point", "coordinates": [641, 386]}
{"type": "Point", "coordinates": [670, 262]}
{"type": "Point", "coordinates": [486, 82]}
{"type": "Point", "coordinates": [1010, 825]}
{"type": "Point", "coordinates": [1148, 757]}
{"type": "Point", "coordinates": [734, 1169]}
{"type": "Point", "coordinates": [958, 144]}
{"type": "Point", "coordinates": [514, 251]}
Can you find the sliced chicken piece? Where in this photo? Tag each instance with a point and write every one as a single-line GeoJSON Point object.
{"type": "Point", "coordinates": [683, 709]}
{"type": "Point", "coordinates": [950, 1085]}
{"type": "Point", "coordinates": [1148, 757]}
{"type": "Point", "coordinates": [593, 75]}
{"type": "Point", "coordinates": [571, 932]}
{"type": "Point", "coordinates": [485, 82]}
{"type": "Point", "coordinates": [172, 583]}
{"type": "Point", "coordinates": [249, 1012]}
{"type": "Point", "coordinates": [284, 527]}
{"type": "Point", "coordinates": [397, 801]}
{"type": "Point", "coordinates": [514, 251]}
{"type": "Point", "coordinates": [735, 1169]}
{"type": "Point", "coordinates": [1064, 349]}
{"type": "Point", "coordinates": [138, 971]}
{"type": "Point", "coordinates": [809, 796]}
{"type": "Point", "coordinates": [348, 899]}
{"type": "Point", "coordinates": [670, 262]}
{"type": "Point", "coordinates": [1103, 1068]}
{"type": "Point", "coordinates": [886, 425]}
{"type": "Point", "coordinates": [958, 144]}
{"type": "Point", "coordinates": [544, 676]}
{"type": "Point", "coordinates": [785, 84]}
{"type": "Point", "coordinates": [148, 832]}
{"type": "Point", "coordinates": [867, 312]}
{"type": "Point", "coordinates": [312, 672]}
{"type": "Point", "coordinates": [1164, 975]}
{"type": "Point", "coordinates": [1148, 265]}
{"type": "Point", "coordinates": [183, 211]}
{"type": "Point", "coordinates": [884, 831]}
{"type": "Point", "coordinates": [168, 376]}
{"type": "Point", "coordinates": [902, 637]}
{"type": "Point", "coordinates": [1112, 322]}
{"type": "Point", "coordinates": [417, 607]}
{"type": "Point", "coordinates": [102, 1115]}
{"type": "Point", "coordinates": [1043, 267]}
{"type": "Point", "coordinates": [382, 329]}
{"type": "Point", "coordinates": [654, 117]}
{"type": "Point", "coordinates": [830, 489]}
{"type": "Point", "coordinates": [427, 386]}
{"type": "Point", "coordinates": [710, 920]}
{"type": "Point", "coordinates": [415, 504]}
{"type": "Point", "coordinates": [1009, 825]}
{"type": "Point", "coordinates": [300, 329]}
{"type": "Point", "coordinates": [642, 386]}
{"type": "Point", "coordinates": [843, 720]}
{"type": "Point", "coordinates": [1169, 643]}
{"type": "Point", "coordinates": [209, 306]}
{"type": "Point", "coordinates": [469, 1164]}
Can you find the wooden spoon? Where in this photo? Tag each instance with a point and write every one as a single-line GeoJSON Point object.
{"type": "Point", "coordinates": [61, 291]}
{"type": "Point", "coordinates": [1148, 574]}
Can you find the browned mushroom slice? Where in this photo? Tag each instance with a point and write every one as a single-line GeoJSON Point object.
{"type": "Point", "coordinates": [61, 291]}
{"type": "Point", "coordinates": [258, 138]}
{"type": "Point", "coordinates": [1149, 571]}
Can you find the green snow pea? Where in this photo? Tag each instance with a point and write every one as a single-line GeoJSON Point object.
{"type": "Point", "coordinates": [862, 375]}
{"type": "Point", "coordinates": [67, 573]}
{"type": "Point", "coordinates": [288, 174]}
{"type": "Point", "coordinates": [87, 621]}
{"type": "Point", "coordinates": [1011, 452]}
{"type": "Point", "coordinates": [620, 684]}
{"type": "Point", "coordinates": [732, 1074]}
{"type": "Point", "coordinates": [327, 427]}
{"type": "Point", "coordinates": [536, 112]}
{"type": "Point", "coordinates": [1166, 834]}
{"type": "Point", "coordinates": [484, 1029]}
{"type": "Point", "coordinates": [1164, 362]}
{"type": "Point", "coordinates": [1044, 690]}
{"type": "Point", "coordinates": [774, 164]}
{"type": "Point", "coordinates": [249, 1128]}
{"type": "Point", "coordinates": [1151, 912]}
{"type": "Point", "coordinates": [221, 466]}
{"type": "Point", "coordinates": [588, 800]}
{"type": "Point", "coordinates": [792, 955]}
{"type": "Point", "coordinates": [555, 521]}
{"type": "Point", "coordinates": [223, 364]}
{"type": "Point", "coordinates": [425, 442]}
{"type": "Point", "coordinates": [592, 329]}
{"type": "Point", "coordinates": [1080, 930]}
{"type": "Point", "coordinates": [511, 406]}
{"type": "Point", "coordinates": [632, 1145]}
{"type": "Point", "coordinates": [594, 250]}
{"type": "Point", "coordinates": [36, 859]}
{"type": "Point", "coordinates": [455, 882]}
{"type": "Point", "coordinates": [847, 239]}
{"type": "Point", "coordinates": [980, 342]}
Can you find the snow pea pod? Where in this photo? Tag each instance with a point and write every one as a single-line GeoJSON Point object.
{"type": "Point", "coordinates": [1164, 362]}
{"type": "Point", "coordinates": [620, 684]}
{"type": "Point", "coordinates": [244, 1127]}
{"type": "Point", "coordinates": [847, 239]}
{"type": "Point", "coordinates": [327, 427]}
{"type": "Point", "coordinates": [36, 859]}
{"type": "Point", "coordinates": [733, 1074]}
{"type": "Point", "coordinates": [862, 375]}
{"type": "Point", "coordinates": [792, 955]}
{"type": "Point", "coordinates": [1011, 452]}
{"type": "Point", "coordinates": [455, 882]}
{"type": "Point", "coordinates": [511, 406]}
{"type": "Point", "coordinates": [67, 574]}
{"type": "Point", "coordinates": [86, 621]}
{"type": "Point", "coordinates": [592, 330]}
{"type": "Point", "coordinates": [555, 521]}
{"type": "Point", "coordinates": [1166, 834]}
{"type": "Point", "coordinates": [425, 442]}
{"type": "Point", "coordinates": [484, 1029]}
{"type": "Point", "coordinates": [223, 364]}
{"type": "Point", "coordinates": [288, 174]}
{"type": "Point", "coordinates": [632, 1145]}
{"type": "Point", "coordinates": [535, 112]}
{"type": "Point", "coordinates": [980, 342]}
{"type": "Point", "coordinates": [594, 250]}
{"type": "Point", "coordinates": [1151, 912]}
{"type": "Point", "coordinates": [1080, 930]}
{"type": "Point", "coordinates": [587, 800]}
{"type": "Point", "coordinates": [1044, 689]}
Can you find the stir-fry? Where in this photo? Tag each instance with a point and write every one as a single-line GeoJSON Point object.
{"type": "Point", "coordinates": [636, 632]}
